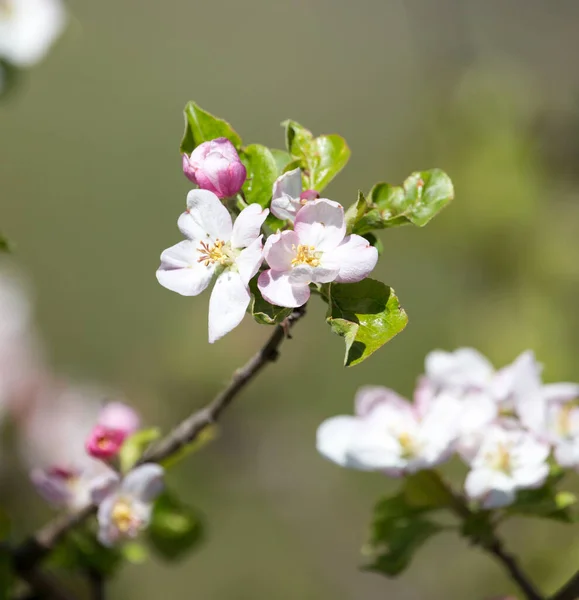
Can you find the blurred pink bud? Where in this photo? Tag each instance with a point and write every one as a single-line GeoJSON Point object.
{"type": "Point", "coordinates": [215, 166]}
{"type": "Point", "coordinates": [105, 443]}
{"type": "Point", "coordinates": [119, 416]}
{"type": "Point", "coordinates": [308, 195]}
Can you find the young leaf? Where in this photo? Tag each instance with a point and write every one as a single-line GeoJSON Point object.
{"type": "Point", "coordinates": [262, 311]}
{"type": "Point", "coordinates": [262, 172]}
{"type": "Point", "coordinates": [321, 158]}
{"type": "Point", "coordinates": [425, 489]}
{"type": "Point", "coordinates": [175, 528]}
{"type": "Point", "coordinates": [282, 159]}
{"type": "Point", "coordinates": [134, 446]}
{"type": "Point", "coordinates": [367, 314]}
{"type": "Point", "coordinates": [546, 503]}
{"type": "Point", "coordinates": [201, 126]}
{"type": "Point", "coordinates": [356, 211]}
{"type": "Point", "coordinates": [398, 530]}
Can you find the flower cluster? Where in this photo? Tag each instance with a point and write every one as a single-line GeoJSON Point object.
{"type": "Point", "coordinates": [312, 249]}
{"type": "Point", "coordinates": [505, 424]}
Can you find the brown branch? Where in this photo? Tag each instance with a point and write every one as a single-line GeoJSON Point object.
{"type": "Point", "coordinates": [32, 551]}
{"type": "Point", "coordinates": [570, 591]}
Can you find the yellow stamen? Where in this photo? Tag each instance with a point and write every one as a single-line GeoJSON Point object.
{"type": "Point", "coordinates": [501, 461]}
{"type": "Point", "coordinates": [306, 255]}
{"type": "Point", "coordinates": [564, 420]}
{"type": "Point", "coordinates": [122, 516]}
{"type": "Point", "coordinates": [407, 445]}
{"type": "Point", "coordinates": [213, 253]}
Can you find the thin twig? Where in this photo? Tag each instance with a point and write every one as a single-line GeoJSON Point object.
{"type": "Point", "coordinates": [570, 591]}
{"type": "Point", "coordinates": [97, 585]}
{"type": "Point", "coordinates": [32, 551]}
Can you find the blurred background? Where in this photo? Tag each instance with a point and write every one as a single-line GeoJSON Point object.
{"type": "Point", "coordinates": [91, 187]}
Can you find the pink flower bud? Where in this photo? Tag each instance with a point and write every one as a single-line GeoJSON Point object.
{"type": "Point", "coordinates": [215, 166]}
{"type": "Point", "coordinates": [105, 443]}
{"type": "Point", "coordinates": [119, 416]}
{"type": "Point", "coordinates": [308, 195]}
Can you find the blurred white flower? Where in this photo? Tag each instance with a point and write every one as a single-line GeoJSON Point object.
{"type": "Point", "coordinates": [507, 460]}
{"type": "Point", "coordinates": [390, 434]}
{"type": "Point", "coordinates": [28, 28]}
{"type": "Point", "coordinates": [125, 505]}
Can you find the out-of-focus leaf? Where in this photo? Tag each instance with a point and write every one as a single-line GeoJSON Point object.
{"type": "Point", "coordinates": [398, 530]}
{"type": "Point", "coordinates": [175, 528]}
{"type": "Point", "coordinates": [419, 199]}
{"type": "Point", "coordinates": [134, 552]}
{"type": "Point", "coordinates": [426, 489]}
{"type": "Point", "coordinates": [321, 158]}
{"type": "Point", "coordinates": [134, 446]}
{"type": "Point", "coordinates": [201, 126]}
{"type": "Point", "coordinates": [4, 244]}
{"type": "Point", "coordinates": [9, 78]}
{"type": "Point", "coordinates": [262, 311]}
{"type": "Point", "coordinates": [262, 172]}
{"type": "Point", "coordinates": [545, 503]}
{"type": "Point", "coordinates": [282, 159]}
{"type": "Point", "coordinates": [366, 314]}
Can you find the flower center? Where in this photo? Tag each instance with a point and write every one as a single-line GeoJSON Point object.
{"type": "Point", "coordinates": [213, 253]}
{"type": "Point", "coordinates": [306, 255]}
{"type": "Point", "coordinates": [563, 425]}
{"type": "Point", "coordinates": [123, 517]}
{"type": "Point", "coordinates": [407, 445]}
{"type": "Point", "coordinates": [501, 459]}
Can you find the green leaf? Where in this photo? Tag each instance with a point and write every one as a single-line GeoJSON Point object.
{"type": "Point", "coordinates": [545, 503]}
{"type": "Point", "coordinates": [175, 529]}
{"type": "Point", "coordinates": [262, 311]}
{"type": "Point", "coordinates": [374, 241]}
{"type": "Point", "coordinates": [367, 314]}
{"type": "Point", "coordinates": [201, 126]}
{"type": "Point", "coordinates": [425, 489]}
{"type": "Point", "coordinates": [356, 211]}
{"type": "Point", "coordinates": [420, 198]}
{"type": "Point", "coordinates": [134, 446]}
{"type": "Point", "coordinates": [478, 528]}
{"type": "Point", "coordinates": [398, 530]}
{"type": "Point", "coordinates": [134, 552]}
{"type": "Point", "coordinates": [262, 172]}
{"type": "Point", "coordinates": [282, 159]}
{"type": "Point", "coordinates": [10, 76]}
{"type": "Point", "coordinates": [7, 578]}
{"type": "Point", "coordinates": [321, 158]}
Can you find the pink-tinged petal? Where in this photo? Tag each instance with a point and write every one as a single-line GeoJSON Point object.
{"type": "Point", "coordinates": [560, 392]}
{"type": "Point", "coordinates": [108, 533]}
{"type": "Point", "coordinates": [463, 368]}
{"type": "Point", "coordinates": [53, 487]}
{"type": "Point", "coordinates": [424, 393]}
{"type": "Point", "coordinates": [188, 169]}
{"type": "Point", "coordinates": [285, 208]}
{"type": "Point", "coordinates": [181, 272]}
{"type": "Point", "coordinates": [355, 258]}
{"type": "Point", "coordinates": [103, 486]}
{"type": "Point", "coordinates": [370, 397]}
{"type": "Point", "coordinates": [324, 274]}
{"type": "Point", "coordinates": [321, 224]}
{"type": "Point", "coordinates": [280, 249]}
{"type": "Point", "coordinates": [247, 226]}
{"type": "Point", "coordinates": [301, 275]}
{"type": "Point", "coordinates": [117, 415]}
{"type": "Point", "coordinates": [249, 260]}
{"type": "Point", "coordinates": [229, 301]}
{"type": "Point", "coordinates": [206, 218]}
{"type": "Point", "coordinates": [278, 289]}
{"type": "Point", "coordinates": [288, 184]}
{"type": "Point", "coordinates": [144, 483]}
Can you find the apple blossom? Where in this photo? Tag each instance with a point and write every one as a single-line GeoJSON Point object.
{"type": "Point", "coordinates": [215, 248]}
{"type": "Point", "coordinates": [509, 459]}
{"type": "Point", "coordinates": [28, 28]}
{"type": "Point", "coordinates": [316, 251]}
{"type": "Point", "coordinates": [215, 166]}
{"type": "Point", "coordinates": [390, 434]}
{"type": "Point", "coordinates": [125, 506]}
{"type": "Point", "coordinates": [116, 422]}
{"type": "Point", "coordinates": [288, 197]}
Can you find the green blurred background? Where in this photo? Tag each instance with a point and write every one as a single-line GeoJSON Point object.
{"type": "Point", "coordinates": [91, 187]}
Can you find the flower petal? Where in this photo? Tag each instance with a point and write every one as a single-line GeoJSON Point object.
{"type": "Point", "coordinates": [206, 219]}
{"type": "Point", "coordinates": [370, 397]}
{"type": "Point", "coordinates": [463, 368]}
{"type": "Point", "coordinates": [321, 224]}
{"type": "Point", "coordinates": [288, 184]}
{"type": "Point", "coordinates": [229, 301]}
{"type": "Point", "coordinates": [354, 258]}
{"type": "Point", "coordinates": [280, 249]}
{"type": "Point", "coordinates": [144, 483]}
{"type": "Point", "coordinates": [249, 260]}
{"type": "Point", "coordinates": [247, 226]}
{"type": "Point", "coordinates": [181, 272]}
{"type": "Point", "coordinates": [108, 534]}
{"type": "Point", "coordinates": [120, 416]}
{"type": "Point", "coordinates": [285, 207]}
{"type": "Point", "coordinates": [278, 289]}
{"type": "Point", "coordinates": [103, 485]}
{"type": "Point", "coordinates": [560, 392]}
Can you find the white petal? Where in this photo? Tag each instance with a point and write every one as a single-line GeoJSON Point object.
{"type": "Point", "coordinates": [560, 392]}
{"type": "Point", "coordinates": [247, 226]}
{"type": "Point", "coordinates": [108, 533]}
{"type": "Point", "coordinates": [567, 453]}
{"type": "Point", "coordinates": [465, 367]}
{"type": "Point", "coordinates": [285, 208]}
{"type": "Point", "coordinates": [531, 476]}
{"type": "Point", "coordinates": [354, 258]}
{"type": "Point", "coordinates": [280, 250]}
{"type": "Point", "coordinates": [288, 184]}
{"type": "Point", "coordinates": [321, 224]}
{"type": "Point", "coordinates": [229, 301]}
{"type": "Point", "coordinates": [181, 272]}
{"type": "Point", "coordinates": [206, 218]}
{"type": "Point", "coordinates": [498, 498]}
{"type": "Point", "coordinates": [334, 436]}
{"type": "Point", "coordinates": [249, 260]}
{"type": "Point", "coordinates": [103, 485]}
{"type": "Point", "coordinates": [278, 289]}
{"type": "Point", "coordinates": [144, 483]}
{"type": "Point", "coordinates": [370, 397]}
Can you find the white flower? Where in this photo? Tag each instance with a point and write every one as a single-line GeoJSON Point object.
{"type": "Point", "coordinates": [288, 197]}
{"type": "Point", "coordinates": [507, 460]}
{"type": "Point", "coordinates": [390, 434]}
{"type": "Point", "coordinates": [317, 251]}
{"type": "Point", "coordinates": [28, 28]}
{"type": "Point", "coordinates": [125, 506]}
{"type": "Point", "coordinates": [215, 248]}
